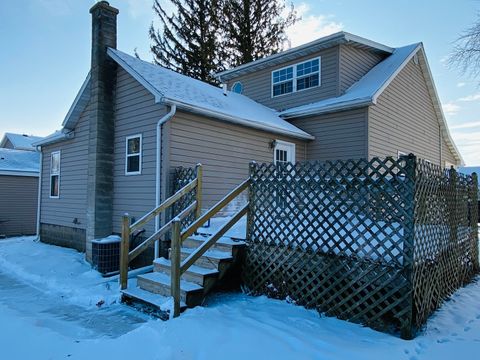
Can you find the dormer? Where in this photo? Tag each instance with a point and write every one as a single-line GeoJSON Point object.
{"type": "Point", "coordinates": [318, 70]}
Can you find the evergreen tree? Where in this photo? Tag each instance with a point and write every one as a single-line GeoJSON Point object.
{"type": "Point", "coordinates": [255, 29]}
{"type": "Point", "coordinates": [188, 40]}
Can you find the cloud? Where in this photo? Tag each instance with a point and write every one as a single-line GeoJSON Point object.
{"type": "Point", "coordinates": [468, 125]}
{"type": "Point", "coordinates": [473, 97]}
{"type": "Point", "coordinates": [450, 108]}
{"type": "Point", "coordinates": [461, 84]}
{"type": "Point", "coordinates": [311, 26]}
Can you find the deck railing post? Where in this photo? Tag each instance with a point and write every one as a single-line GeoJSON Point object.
{"type": "Point", "coordinates": [199, 171]}
{"type": "Point", "coordinates": [175, 266]}
{"type": "Point", "coordinates": [124, 249]}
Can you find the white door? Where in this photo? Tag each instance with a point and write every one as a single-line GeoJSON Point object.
{"type": "Point", "coordinates": [283, 152]}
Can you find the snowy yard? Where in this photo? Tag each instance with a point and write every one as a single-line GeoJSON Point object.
{"type": "Point", "coordinates": [52, 306]}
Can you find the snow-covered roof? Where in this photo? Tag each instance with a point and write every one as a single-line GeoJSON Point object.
{"type": "Point", "coordinates": [58, 135]}
{"type": "Point", "coordinates": [20, 141]}
{"type": "Point", "coordinates": [193, 95]}
{"type": "Point", "coordinates": [79, 104]}
{"type": "Point", "coordinates": [363, 92]}
{"type": "Point", "coordinates": [341, 37]}
{"type": "Point", "coordinates": [367, 90]}
{"type": "Point", "coordinates": [19, 162]}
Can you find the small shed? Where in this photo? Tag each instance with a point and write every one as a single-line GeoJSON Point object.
{"type": "Point", "coordinates": [19, 172]}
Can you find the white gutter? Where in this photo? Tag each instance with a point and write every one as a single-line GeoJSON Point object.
{"type": "Point", "coordinates": [236, 120]}
{"type": "Point", "coordinates": [39, 198]}
{"type": "Point", "coordinates": [158, 195]}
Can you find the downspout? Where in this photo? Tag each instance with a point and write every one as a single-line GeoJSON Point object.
{"type": "Point", "coordinates": [441, 147]}
{"type": "Point", "coordinates": [160, 123]}
{"type": "Point", "coordinates": [39, 195]}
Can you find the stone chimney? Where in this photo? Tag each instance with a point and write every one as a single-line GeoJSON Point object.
{"type": "Point", "coordinates": [101, 131]}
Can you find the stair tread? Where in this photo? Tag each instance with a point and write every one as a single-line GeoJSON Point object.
{"type": "Point", "coordinates": [164, 279]}
{"type": "Point", "coordinates": [193, 269]}
{"type": "Point", "coordinates": [213, 254]}
{"type": "Point", "coordinates": [159, 301]}
{"type": "Point", "coordinates": [223, 240]}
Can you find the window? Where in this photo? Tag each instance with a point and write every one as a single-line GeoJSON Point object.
{"type": "Point", "coordinates": [282, 81]}
{"type": "Point", "coordinates": [308, 74]}
{"type": "Point", "coordinates": [296, 77]}
{"type": "Point", "coordinates": [237, 88]}
{"type": "Point", "coordinates": [55, 174]}
{"type": "Point", "coordinates": [133, 158]}
{"type": "Point", "coordinates": [283, 152]}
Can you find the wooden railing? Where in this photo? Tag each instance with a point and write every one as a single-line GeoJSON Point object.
{"type": "Point", "coordinates": [127, 255]}
{"type": "Point", "coordinates": [178, 237]}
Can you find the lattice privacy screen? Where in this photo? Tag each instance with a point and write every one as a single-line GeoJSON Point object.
{"type": "Point", "coordinates": [339, 236]}
{"type": "Point", "coordinates": [181, 177]}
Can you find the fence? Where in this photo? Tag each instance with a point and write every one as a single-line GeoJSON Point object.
{"type": "Point", "coordinates": [381, 242]}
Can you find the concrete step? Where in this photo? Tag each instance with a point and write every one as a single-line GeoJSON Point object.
{"type": "Point", "coordinates": [223, 244]}
{"type": "Point", "coordinates": [159, 283]}
{"type": "Point", "coordinates": [204, 277]}
{"type": "Point", "coordinates": [212, 259]}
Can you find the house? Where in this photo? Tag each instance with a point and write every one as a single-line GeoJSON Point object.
{"type": "Point", "coordinates": [132, 122]}
{"type": "Point", "coordinates": [19, 172]}
{"type": "Point", "coordinates": [19, 141]}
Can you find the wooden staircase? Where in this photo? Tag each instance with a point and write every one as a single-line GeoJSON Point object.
{"type": "Point", "coordinates": [197, 264]}
{"type": "Point", "coordinates": [209, 272]}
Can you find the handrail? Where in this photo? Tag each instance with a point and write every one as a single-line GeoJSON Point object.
{"type": "Point", "coordinates": [202, 249]}
{"type": "Point", "coordinates": [125, 254]}
{"type": "Point", "coordinates": [145, 244]}
{"type": "Point", "coordinates": [177, 267]}
{"type": "Point", "coordinates": [214, 210]}
{"type": "Point", "coordinates": [163, 206]}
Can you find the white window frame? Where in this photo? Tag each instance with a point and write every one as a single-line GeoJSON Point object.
{"type": "Point", "coordinates": [127, 155]}
{"type": "Point", "coordinates": [448, 165]}
{"type": "Point", "coordinates": [401, 153]}
{"type": "Point", "coordinates": [52, 173]}
{"type": "Point", "coordinates": [239, 83]}
{"type": "Point", "coordinates": [295, 78]}
{"type": "Point", "coordinates": [287, 146]}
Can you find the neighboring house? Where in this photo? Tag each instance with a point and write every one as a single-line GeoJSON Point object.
{"type": "Point", "coordinates": [19, 141]}
{"type": "Point", "coordinates": [18, 191]}
{"type": "Point", "coordinates": [132, 122]}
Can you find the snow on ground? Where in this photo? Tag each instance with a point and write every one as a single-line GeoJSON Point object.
{"type": "Point", "coordinates": [56, 270]}
{"type": "Point", "coordinates": [47, 311]}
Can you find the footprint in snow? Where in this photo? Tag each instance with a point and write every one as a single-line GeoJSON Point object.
{"type": "Point", "coordinates": [467, 328]}
{"type": "Point", "coordinates": [442, 341]}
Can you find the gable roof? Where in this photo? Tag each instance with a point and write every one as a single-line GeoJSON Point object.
{"type": "Point", "coordinates": [20, 141]}
{"type": "Point", "coordinates": [79, 104]}
{"type": "Point", "coordinates": [338, 38]}
{"type": "Point", "coordinates": [363, 92]}
{"type": "Point", "coordinates": [19, 162]}
{"type": "Point", "coordinates": [196, 96]}
{"type": "Point", "coordinates": [366, 91]}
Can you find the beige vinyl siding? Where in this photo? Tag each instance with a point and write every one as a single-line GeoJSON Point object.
{"type": "Point", "coordinates": [18, 210]}
{"type": "Point", "coordinates": [404, 118]}
{"type": "Point", "coordinates": [340, 135]}
{"type": "Point", "coordinates": [225, 150]}
{"type": "Point", "coordinates": [447, 155]}
{"type": "Point", "coordinates": [258, 85]}
{"type": "Point", "coordinates": [72, 203]}
{"type": "Point", "coordinates": [135, 113]}
{"type": "Point", "coordinates": [355, 63]}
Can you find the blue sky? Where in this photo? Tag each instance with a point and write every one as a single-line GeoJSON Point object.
{"type": "Point", "coordinates": [46, 52]}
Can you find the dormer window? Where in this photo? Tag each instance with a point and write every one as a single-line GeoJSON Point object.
{"type": "Point", "coordinates": [296, 77]}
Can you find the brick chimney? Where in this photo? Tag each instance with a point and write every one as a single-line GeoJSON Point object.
{"type": "Point", "coordinates": [100, 142]}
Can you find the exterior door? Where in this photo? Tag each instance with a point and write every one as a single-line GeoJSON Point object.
{"type": "Point", "coordinates": [284, 152]}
